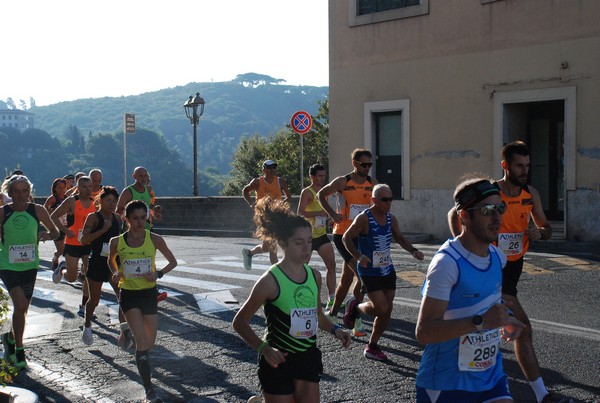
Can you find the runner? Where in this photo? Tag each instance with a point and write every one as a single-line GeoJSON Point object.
{"type": "Point", "coordinates": [310, 208]}
{"type": "Point", "coordinates": [76, 208]}
{"type": "Point", "coordinates": [19, 259]}
{"type": "Point", "coordinates": [137, 275]}
{"type": "Point", "coordinates": [74, 190]}
{"type": "Point", "coordinates": [98, 229]}
{"type": "Point", "coordinates": [59, 187]}
{"type": "Point", "coordinates": [290, 361]}
{"type": "Point", "coordinates": [375, 227]}
{"type": "Point", "coordinates": [140, 190]}
{"type": "Point", "coordinates": [462, 317]}
{"type": "Point", "coordinates": [96, 177]}
{"type": "Point", "coordinates": [268, 185]}
{"type": "Point", "coordinates": [356, 188]}
{"type": "Point", "coordinates": [524, 205]}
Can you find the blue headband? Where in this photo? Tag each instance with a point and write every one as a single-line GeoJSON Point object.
{"type": "Point", "coordinates": [474, 193]}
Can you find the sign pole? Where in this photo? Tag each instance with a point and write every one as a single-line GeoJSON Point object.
{"type": "Point", "coordinates": [301, 161]}
{"type": "Point", "coordinates": [301, 123]}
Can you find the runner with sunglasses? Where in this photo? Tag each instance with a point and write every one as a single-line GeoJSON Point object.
{"type": "Point", "coordinates": [523, 206]}
{"type": "Point", "coordinates": [356, 188]}
{"type": "Point", "coordinates": [462, 318]}
{"type": "Point", "coordinates": [375, 227]}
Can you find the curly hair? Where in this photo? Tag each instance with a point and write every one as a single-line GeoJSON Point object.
{"type": "Point", "coordinates": [275, 221]}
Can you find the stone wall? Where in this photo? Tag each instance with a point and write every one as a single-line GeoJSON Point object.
{"type": "Point", "coordinates": [214, 216]}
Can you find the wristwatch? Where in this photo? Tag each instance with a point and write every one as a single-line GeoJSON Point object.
{"type": "Point", "coordinates": [477, 320]}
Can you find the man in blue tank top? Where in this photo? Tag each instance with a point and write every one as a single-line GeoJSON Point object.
{"type": "Point", "coordinates": [462, 317]}
{"type": "Point", "coordinates": [375, 227]}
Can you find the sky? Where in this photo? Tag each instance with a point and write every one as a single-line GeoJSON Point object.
{"type": "Point", "coordinates": [64, 50]}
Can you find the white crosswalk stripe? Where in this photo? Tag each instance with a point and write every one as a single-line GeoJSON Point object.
{"type": "Point", "coordinates": [211, 292]}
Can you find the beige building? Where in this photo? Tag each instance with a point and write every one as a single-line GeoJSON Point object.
{"type": "Point", "coordinates": [18, 119]}
{"type": "Point", "coordinates": [435, 88]}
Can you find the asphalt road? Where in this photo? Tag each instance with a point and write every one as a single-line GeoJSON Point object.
{"type": "Point", "coordinates": [199, 357]}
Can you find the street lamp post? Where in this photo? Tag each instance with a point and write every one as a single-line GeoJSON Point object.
{"type": "Point", "coordinates": [194, 108]}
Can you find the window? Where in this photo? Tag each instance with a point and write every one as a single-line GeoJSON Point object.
{"type": "Point", "coordinates": [376, 6]}
{"type": "Point", "coordinates": [372, 11]}
{"type": "Point", "coordinates": [387, 134]}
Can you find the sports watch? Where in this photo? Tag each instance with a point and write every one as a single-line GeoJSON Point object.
{"type": "Point", "coordinates": [477, 320]}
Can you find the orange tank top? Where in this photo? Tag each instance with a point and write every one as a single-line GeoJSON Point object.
{"type": "Point", "coordinates": [512, 239]}
{"type": "Point", "coordinates": [265, 188]}
{"type": "Point", "coordinates": [79, 216]}
{"type": "Point", "coordinates": [357, 197]}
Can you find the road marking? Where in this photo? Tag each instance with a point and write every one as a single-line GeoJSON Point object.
{"type": "Point", "coordinates": [546, 325]}
{"type": "Point", "coordinates": [535, 270]}
{"type": "Point", "coordinates": [414, 277]}
{"type": "Point", "coordinates": [213, 302]}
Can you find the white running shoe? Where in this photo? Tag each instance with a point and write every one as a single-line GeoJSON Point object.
{"type": "Point", "coordinates": [57, 274]}
{"type": "Point", "coordinates": [87, 336]}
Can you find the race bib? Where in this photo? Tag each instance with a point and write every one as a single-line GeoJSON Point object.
{"type": "Point", "coordinates": [136, 268]}
{"type": "Point", "coordinates": [21, 253]}
{"type": "Point", "coordinates": [382, 258]}
{"type": "Point", "coordinates": [356, 209]}
{"type": "Point", "coordinates": [303, 322]}
{"type": "Point", "coordinates": [105, 249]}
{"type": "Point", "coordinates": [320, 221]}
{"type": "Point", "coordinates": [63, 220]}
{"type": "Point", "coordinates": [478, 351]}
{"type": "Point", "coordinates": [511, 243]}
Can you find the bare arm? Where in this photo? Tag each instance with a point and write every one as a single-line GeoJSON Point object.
{"type": "Point", "coordinates": [66, 207]}
{"type": "Point", "coordinates": [161, 245]}
{"type": "Point", "coordinates": [542, 229]}
{"type": "Point", "coordinates": [91, 221]}
{"type": "Point", "coordinates": [337, 185]}
{"type": "Point", "coordinates": [306, 197]}
{"type": "Point", "coordinates": [112, 259]}
{"type": "Point", "coordinates": [324, 322]}
{"type": "Point", "coordinates": [360, 225]}
{"type": "Point", "coordinates": [48, 204]}
{"type": "Point", "coordinates": [403, 242]}
{"type": "Point", "coordinates": [265, 289]}
{"type": "Point", "coordinates": [44, 218]}
{"type": "Point", "coordinates": [124, 198]}
{"type": "Point", "coordinates": [252, 186]}
{"type": "Point", "coordinates": [286, 193]}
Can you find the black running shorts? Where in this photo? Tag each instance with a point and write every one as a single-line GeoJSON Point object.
{"type": "Point", "coordinates": [144, 300]}
{"type": "Point", "coordinates": [77, 251]}
{"type": "Point", "coordinates": [379, 283]}
{"type": "Point", "coordinates": [320, 241]}
{"type": "Point", "coordinates": [339, 245]}
{"type": "Point", "coordinates": [305, 366]}
{"type": "Point", "coordinates": [24, 279]}
{"type": "Point", "coordinates": [511, 275]}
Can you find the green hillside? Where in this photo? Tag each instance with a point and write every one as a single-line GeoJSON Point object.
{"type": "Point", "coordinates": [250, 104]}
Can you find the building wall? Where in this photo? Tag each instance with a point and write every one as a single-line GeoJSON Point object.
{"type": "Point", "coordinates": [15, 118]}
{"type": "Point", "coordinates": [450, 65]}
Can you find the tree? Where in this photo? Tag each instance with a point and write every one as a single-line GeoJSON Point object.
{"type": "Point", "coordinates": [283, 148]}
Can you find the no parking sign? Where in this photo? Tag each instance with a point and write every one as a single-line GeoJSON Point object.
{"type": "Point", "coordinates": [301, 122]}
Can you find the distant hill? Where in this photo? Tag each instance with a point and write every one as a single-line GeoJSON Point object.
{"type": "Point", "coordinates": [249, 104]}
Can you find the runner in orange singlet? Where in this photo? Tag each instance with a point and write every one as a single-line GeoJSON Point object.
{"type": "Point", "coordinates": [267, 185]}
{"type": "Point", "coordinates": [523, 205]}
{"type": "Point", "coordinates": [356, 188]}
{"type": "Point", "coordinates": [76, 208]}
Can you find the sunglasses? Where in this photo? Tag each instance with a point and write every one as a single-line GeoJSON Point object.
{"type": "Point", "coordinates": [364, 164]}
{"type": "Point", "coordinates": [490, 209]}
{"type": "Point", "coordinates": [385, 199]}
{"type": "Point", "coordinates": [271, 167]}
